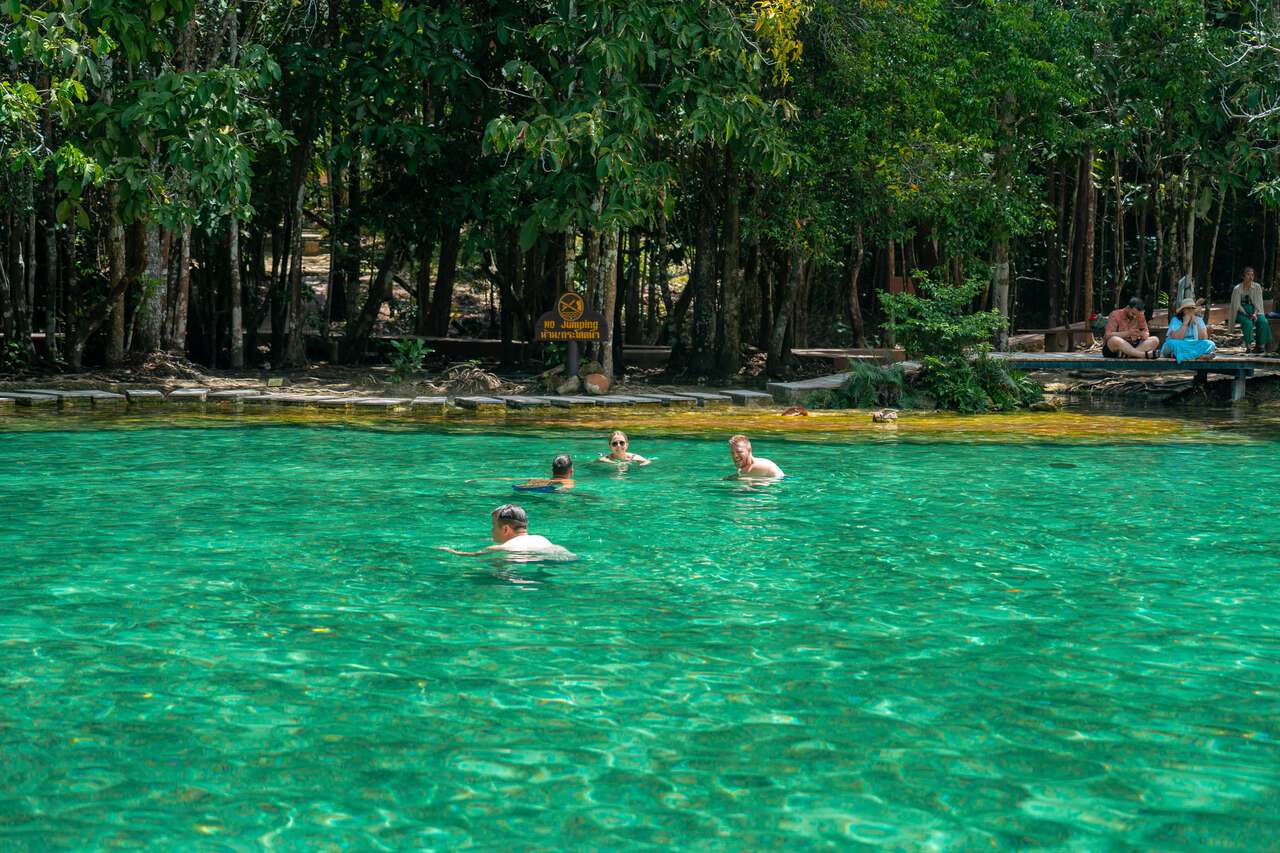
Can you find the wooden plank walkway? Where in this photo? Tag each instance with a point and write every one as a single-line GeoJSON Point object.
{"type": "Point", "coordinates": [1239, 367]}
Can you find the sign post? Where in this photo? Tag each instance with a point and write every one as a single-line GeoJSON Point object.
{"type": "Point", "coordinates": [570, 322]}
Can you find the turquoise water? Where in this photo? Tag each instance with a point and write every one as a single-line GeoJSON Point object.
{"type": "Point", "coordinates": [244, 637]}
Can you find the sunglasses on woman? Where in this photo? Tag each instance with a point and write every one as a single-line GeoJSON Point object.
{"type": "Point", "coordinates": [617, 443]}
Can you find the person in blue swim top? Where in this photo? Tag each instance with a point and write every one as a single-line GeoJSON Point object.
{"type": "Point", "coordinates": [561, 478]}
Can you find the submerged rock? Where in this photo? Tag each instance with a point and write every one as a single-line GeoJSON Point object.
{"type": "Point", "coordinates": [884, 416]}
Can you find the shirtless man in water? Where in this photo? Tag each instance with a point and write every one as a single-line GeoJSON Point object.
{"type": "Point", "coordinates": [510, 532]}
{"type": "Point", "coordinates": [751, 467]}
{"type": "Point", "coordinates": [560, 480]}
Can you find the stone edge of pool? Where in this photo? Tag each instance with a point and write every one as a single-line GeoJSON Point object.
{"type": "Point", "coordinates": [207, 399]}
{"type": "Point", "coordinates": [718, 413]}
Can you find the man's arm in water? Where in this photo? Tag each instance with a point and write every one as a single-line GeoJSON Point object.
{"type": "Point", "coordinates": [479, 553]}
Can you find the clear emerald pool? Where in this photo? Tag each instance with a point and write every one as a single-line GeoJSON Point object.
{"type": "Point", "coordinates": [243, 637]}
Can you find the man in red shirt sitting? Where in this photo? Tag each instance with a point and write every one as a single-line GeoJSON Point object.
{"type": "Point", "coordinates": [1127, 334]}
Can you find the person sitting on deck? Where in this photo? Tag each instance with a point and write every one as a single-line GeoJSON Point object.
{"type": "Point", "coordinates": [1127, 334]}
{"type": "Point", "coordinates": [618, 453]}
{"type": "Point", "coordinates": [1188, 337]}
{"type": "Point", "coordinates": [560, 480]}
{"type": "Point", "coordinates": [749, 466]}
{"type": "Point", "coordinates": [1247, 309]}
{"type": "Point", "coordinates": [510, 532]}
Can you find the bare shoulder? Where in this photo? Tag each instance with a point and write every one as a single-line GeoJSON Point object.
{"type": "Point", "coordinates": [766, 468]}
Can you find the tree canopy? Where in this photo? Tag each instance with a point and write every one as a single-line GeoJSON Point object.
{"type": "Point", "coordinates": [724, 178]}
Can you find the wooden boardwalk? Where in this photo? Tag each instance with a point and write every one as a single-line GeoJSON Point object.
{"type": "Point", "coordinates": [1238, 367]}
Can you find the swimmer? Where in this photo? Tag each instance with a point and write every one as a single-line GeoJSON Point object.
{"type": "Point", "coordinates": [510, 533]}
{"type": "Point", "coordinates": [751, 467]}
{"type": "Point", "coordinates": [561, 478]}
{"type": "Point", "coordinates": [618, 453]}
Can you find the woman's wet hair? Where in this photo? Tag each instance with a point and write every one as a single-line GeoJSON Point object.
{"type": "Point", "coordinates": [561, 465]}
{"type": "Point", "coordinates": [615, 434]}
{"type": "Point", "coordinates": [513, 515]}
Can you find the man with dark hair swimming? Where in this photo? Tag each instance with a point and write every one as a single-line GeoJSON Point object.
{"type": "Point", "coordinates": [510, 533]}
{"type": "Point", "coordinates": [560, 480]}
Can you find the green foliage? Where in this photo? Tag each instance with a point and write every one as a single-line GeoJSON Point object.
{"type": "Point", "coordinates": [940, 324]}
{"type": "Point", "coordinates": [13, 357]}
{"type": "Point", "coordinates": [554, 354]}
{"type": "Point", "coordinates": [868, 386]}
{"type": "Point", "coordinates": [410, 353]}
{"type": "Point", "coordinates": [970, 386]}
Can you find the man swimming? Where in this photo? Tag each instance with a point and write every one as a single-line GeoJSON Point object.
{"type": "Point", "coordinates": [560, 480]}
{"type": "Point", "coordinates": [510, 533]}
{"type": "Point", "coordinates": [749, 466]}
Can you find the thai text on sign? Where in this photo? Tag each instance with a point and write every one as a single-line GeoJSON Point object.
{"type": "Point", "coordinates": [571, 321]}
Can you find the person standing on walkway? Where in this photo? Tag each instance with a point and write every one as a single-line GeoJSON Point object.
{"type": "Point", "coordinates": [1248, 310]}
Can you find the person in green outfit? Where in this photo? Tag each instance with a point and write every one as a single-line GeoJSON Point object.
{"type": "Point", "coordinates": [1247, 309]}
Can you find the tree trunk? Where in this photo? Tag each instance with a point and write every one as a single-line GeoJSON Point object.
{"type": "Point", "coordinates": [789, 285]}
{"type": "Point", "coordinates": [853, 300]}
{"type": "Point", "coordinates": [1156, 281]}
{"type": "Point", "coordinates": [422, 288]}
{"type": "Point", "coordinates": [442, 299]}
{"type": "Point", "coordinates": [237, 305]}
{"type": "Point", "coordinates": [608, 290]}
{"type": "Point", "coordinates": [1089, 226]}
{"type": "Point", "coordinates": [1053, 253]}
{"type": "Point", "coordinates": [360, 327]}
{"type": "Point", "coordinates": [116, 260]}
{"type": "Point", "coordinates": [294, 348]}
{"type": "Point", "coordinates": [1118, 289]}
{"type": "Point", "coordinates": [1000, 284]}
{"type": "Point", "coordinates": [890, 339]}
{"type": "Point", "coordinates": [635, 321]}
{"type": "Point", "coordinates": [182, 297]}
{"type": "Point", "coordinates": [233, 227]}
{"type": "Point", "coordinates": [8, 262]}
{"type": "Point", "coordinates": [620, 277]}
{"type": "Point", "coordinates": [658, 279]}
{"type": "Point", "coordinates": [1189, 241]}
{"type": "Point", "coordinates": [729, 360]}
{"type": "Point", "coordinates": [1213, 243]}
{"type": "Point", "coordinates": [570, 259]}
{"type": "Point", "coordinates": [701, 359]}
{"type": "Point", "coordinates": [1275, 254]}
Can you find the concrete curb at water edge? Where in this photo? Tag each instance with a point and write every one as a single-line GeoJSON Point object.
{"type": "Point", "coordinates": [210, 400]}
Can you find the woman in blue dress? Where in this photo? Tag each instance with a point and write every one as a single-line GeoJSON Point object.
{"type": "Point", "coordinates": [1187, 338]}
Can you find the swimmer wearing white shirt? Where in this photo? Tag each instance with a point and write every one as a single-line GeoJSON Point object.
{"type": "Point", "coordinates": [510, 532]}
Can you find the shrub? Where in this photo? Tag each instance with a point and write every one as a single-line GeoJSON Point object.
{"type": "Point", "coordinates": [983, 384]}
{"type": "Point", "coordinates": [409, 355]}
{"type": "Point", "coordinates": [869, 386]}
{"type": "Point", "coordinates": [941, 324]}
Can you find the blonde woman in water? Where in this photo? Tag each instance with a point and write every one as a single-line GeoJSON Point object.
{"type": "Point", "coordinates": [618, 452]}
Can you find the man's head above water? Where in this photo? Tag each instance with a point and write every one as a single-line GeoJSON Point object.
{"type": "Point", "coordinates": [509, 521]}
{"type": "Point", "coordinates": [562, 467]}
